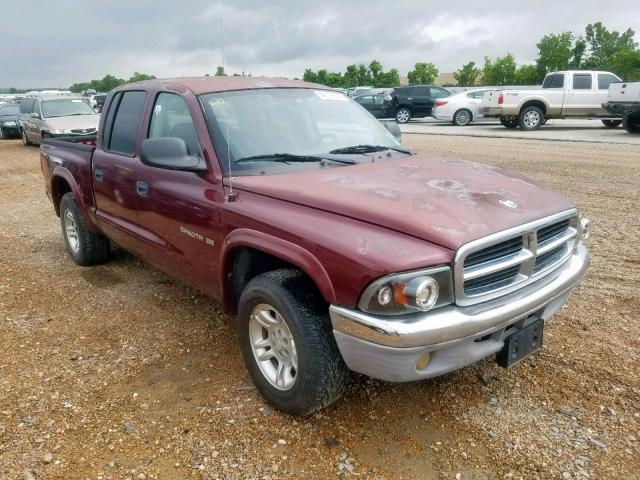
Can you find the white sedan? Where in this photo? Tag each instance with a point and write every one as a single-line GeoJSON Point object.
{"type": "Point", "coordinates": [460, 108]}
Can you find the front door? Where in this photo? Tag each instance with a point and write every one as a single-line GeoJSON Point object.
{"type": "Point", "coordinates": [422, 103]}
{"type": "Point", "coordinates": [114, 170]}
{"type": "Point", "coordinates": [180, 208]}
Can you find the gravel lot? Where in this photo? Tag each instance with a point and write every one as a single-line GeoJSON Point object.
{"type": "Point", "coordinates": [119, 371]}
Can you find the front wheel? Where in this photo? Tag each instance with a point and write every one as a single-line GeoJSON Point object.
{"type": "Point", "coordinates": [631, 123]}
{"type": "Point", "coordinates": [84, 246]}
{"type": "Point", "coordinates": [531, 118]}
{"type": "Point", "coordinates": [287, 343]}
{"type": "Point", "coordinates": [403, 115]}
{"type": "Point", "coordinates": [25, 141]}
{"type": "Point", "coordinates": [611, 123]}
{"type": "Point", "coordinates": [462, 117]}
{"type": "Point", "coordinates": [509, 122]}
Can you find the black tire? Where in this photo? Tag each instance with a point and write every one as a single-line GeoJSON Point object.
{"type": "Point", "coordinates": [509, 122]}
{"type": "Point", "coordinates": [530, 118]}
{"type": "Point", "coordinates": [631, 123]}
{"type": "Point", "coordinates": [612, 123]}
{"type": "Point", "coordinates": [403, 115]}
{"type": "Point", "coordinates": [2, 137]}
{"type": "Point", "coordinates": [462, 117]}
{"type": "Point", "coordinates": [321, 375]}
{"type": "Point", "coordinates": [91, 248]}
{"type": "Point", "coordinates": [25, 141]}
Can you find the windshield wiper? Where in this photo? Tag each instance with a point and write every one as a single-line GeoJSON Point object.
{"type": "Point", "coordinates": [290, 158]}
{"type": "Point", "coordinates": [367, 149]}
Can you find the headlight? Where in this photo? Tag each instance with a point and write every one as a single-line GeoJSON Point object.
{"type": "Point", "coordinates": [10, 123]}
{"type": "Point", "coordinates": [420, 290]}
{"type": "Point", "coordinates": [60, 132]}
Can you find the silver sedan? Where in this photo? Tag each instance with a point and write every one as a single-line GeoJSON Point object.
{"type": "Point", "coordinates": [460, 108]}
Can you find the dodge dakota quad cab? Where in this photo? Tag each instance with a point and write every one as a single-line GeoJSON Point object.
{"type": "Point", "coordinates": [624, 99]}
{"type": "Point", "coordinates": [570, 94]}
{"type": "Point", "coordinates": [336, 248]}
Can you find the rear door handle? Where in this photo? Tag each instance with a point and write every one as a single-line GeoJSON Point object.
{"type": "Point", "coordinates": [142, 188]}
{"type": "Point", "coordinates": [99, 174]}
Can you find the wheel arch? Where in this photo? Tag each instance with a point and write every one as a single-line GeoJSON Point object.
{"type": "Point", "coordinates": [247, 253]}
{"type": "Point", "coordinates": [62, 182]}
{"type": "Point", "coordinates": [535, 102]}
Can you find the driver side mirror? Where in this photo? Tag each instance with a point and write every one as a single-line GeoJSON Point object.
{"type": "Point", "coordinates": [393, 128]}
{"type": "Point", "coordinates": [34, 115]}
{"type": "Point", "coordinates": [170, 153]}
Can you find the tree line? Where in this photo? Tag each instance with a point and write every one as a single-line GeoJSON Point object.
{"type": "Point", "coordinates": [597, 49]}
{"type": "Point", "coordinates": [108, 82]}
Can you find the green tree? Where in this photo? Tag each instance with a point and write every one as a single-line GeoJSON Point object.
{"type": "Point", "coordinates": [310, 76]}
{"type": "Point", "coordinates": [109, 82]}
{"type": "Point", "coordinates": [577, 53]}
{"type": "Point", "coordinates": [603, 44]}
{"type": "Point", "coordinates": [500, 72]}
{"type": "Point", "coordinates": [422, 73]}
{"type": "Point", "coordinates": [364, 75]}
{"type": "Point", "coordinates": [220, 72]}
{"type": "Point", "coordinates": [139, 77]}
{"type": "Point", "coordinates": [626, 64]}
{"type": "Point", "coordinates": [468, 75]}
{"type": "Point", "coordinates": [350, 77]}
{"type": "Point", "coordinates": [554, 52]}
{"type": "Point", "coordinates": [527, 75]}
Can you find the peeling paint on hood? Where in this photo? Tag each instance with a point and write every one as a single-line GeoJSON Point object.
{"type": "Point", "coordinates": [447, 202]}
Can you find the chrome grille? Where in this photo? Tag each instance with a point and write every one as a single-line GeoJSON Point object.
{"type": "Point", "coordinates": [504, 262]}
{"type": "Point", "coordinates": [83, 131]}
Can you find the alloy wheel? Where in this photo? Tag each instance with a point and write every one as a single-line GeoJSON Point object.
{"type": "Point", "coordinates": [71, 231]}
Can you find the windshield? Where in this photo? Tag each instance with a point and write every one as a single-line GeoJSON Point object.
{"type": "Point", "coordinates": [262, 125]}
{"type": "Point", "coordinates": [10, 110]}
{"type": "Point", "coordinates": [65, 107]}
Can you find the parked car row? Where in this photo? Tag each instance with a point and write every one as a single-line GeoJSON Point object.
{"type": "Point", "coordinates": [403, 103]}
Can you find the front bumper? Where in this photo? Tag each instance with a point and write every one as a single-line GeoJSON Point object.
{"type": "Point", "coordinates": [389, 347]}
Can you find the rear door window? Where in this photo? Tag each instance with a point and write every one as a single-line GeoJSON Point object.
{"type": "Point", "coordinates": [582, 81]}
{"type": "Point", "coordinates": [554, 81]}
{"type": "Point", "coordinates": [438, 92]}
{"type": "Point", "coordinates": [420, 91]}
{"type": "Point", "coordinates": [126, 122]}
{"type": "Point", "coordinates": [27, 105]}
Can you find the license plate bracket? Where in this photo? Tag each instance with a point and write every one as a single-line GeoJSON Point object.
{"type": "Point", "coordinates": [519, 345]}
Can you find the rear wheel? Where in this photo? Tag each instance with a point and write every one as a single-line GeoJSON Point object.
{"type": "Point", "coordinates": [631, 123]}
{"type": "Point", "coordinates": [530, 118]}
{"type": "Point", "coordinates": [403, 115]}
{"type": "Point", "coordinates": [287, 342]}
{"type": "Point", "coordinates": [25, 141]}
{"type": "Point", "coordinates": [509, 122]}
{"type": "Point", "coordinates": [84, 246]}
{"type": "Point", "coordinates": [462, 117]}
{"type": "Point", "coordinates": [611, 123]}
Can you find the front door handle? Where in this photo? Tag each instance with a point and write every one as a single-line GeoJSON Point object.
{"type": "Point", "coordinates": [142, 188]}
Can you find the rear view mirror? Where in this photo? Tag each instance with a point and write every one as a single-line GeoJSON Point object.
{"type": "Point", "coordinates": [393, 128]}
{"type": "Point", "coordinates": [170, 153]}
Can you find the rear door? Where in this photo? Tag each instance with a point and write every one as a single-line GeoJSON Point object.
{"type": "Point", "coordinates": [180, 209]}
{"type": "Point", "coordinates": [421, 101]}
{"type": "Point", "coordinates": [114, 169]}
{"type": "Point", "coordinates": [579, 98]}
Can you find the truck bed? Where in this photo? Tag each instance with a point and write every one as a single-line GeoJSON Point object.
{"type": "Point", "coordinates": [623, 98]}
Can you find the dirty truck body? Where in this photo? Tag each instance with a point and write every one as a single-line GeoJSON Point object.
{"type": "Point", "coordinates": [358, 256]}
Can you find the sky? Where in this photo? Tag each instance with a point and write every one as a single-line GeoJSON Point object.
{"type": "Point", "coordinates": [56, 43]}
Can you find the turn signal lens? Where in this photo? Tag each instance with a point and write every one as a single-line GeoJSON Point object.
{"type": "Point", "coordinates": [584, 228]}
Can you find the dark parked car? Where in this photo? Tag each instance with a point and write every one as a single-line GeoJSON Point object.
{"type": "Point", "coordinates": [376, 105]}
{"type": "Point", "coordinates": [99, 101]}
{"type": "Point", "coordinates": [414, 101]}
{"type": "Point", "coordinates": [9, 126]}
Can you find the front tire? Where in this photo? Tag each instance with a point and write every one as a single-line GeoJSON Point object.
{"type": "Point", "coordinates": [531, 118]}
{"type": "Point", "coordinates": [287, 343]}
{"type": "Point", "coordinates": [84, 246]}
{"type": "Point", "coordinates": [25, 141]}
{"type": "Point", "coordinates": [611, 123]}
{"type": "Point", "coordinates": [509, 122]}
{"type": "Point", "coordinates": [462, 117]}
{"type": "Point", "coordinates": [631, 123]}
{"type": "Point", "coordinates": [403, 115]}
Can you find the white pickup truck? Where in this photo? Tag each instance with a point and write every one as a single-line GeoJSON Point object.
{"type": "Point", "coordinates": [624, 99]}
{"type": "Point", "coordinates": [566, 94]}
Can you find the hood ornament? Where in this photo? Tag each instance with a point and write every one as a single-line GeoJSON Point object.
{"type": "Point", "coordinates": [508, 203]}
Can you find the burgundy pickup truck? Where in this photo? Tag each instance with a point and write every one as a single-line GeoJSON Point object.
{"type": "Point", "coordinates": [336, 248]}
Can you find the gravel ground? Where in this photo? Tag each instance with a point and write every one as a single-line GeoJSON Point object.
{"type": "Point", "coordinates": [119, 371]}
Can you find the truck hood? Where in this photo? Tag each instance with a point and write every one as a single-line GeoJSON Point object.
{"type": "Point", "coordinates": [443, 201]}
{"type": "Point", "coordinates": [73, 122]}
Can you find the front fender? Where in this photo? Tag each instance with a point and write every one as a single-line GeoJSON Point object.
{"type": "Point", "coordinates": [283, 249]}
